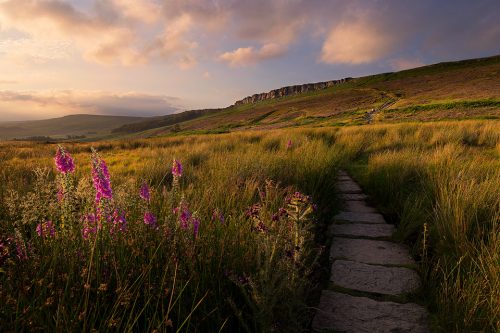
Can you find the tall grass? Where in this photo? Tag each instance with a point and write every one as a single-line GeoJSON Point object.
{"type": "Point", "coordinates": [246, 270]}
{"type": "Point", "coordinates": [441, 180]}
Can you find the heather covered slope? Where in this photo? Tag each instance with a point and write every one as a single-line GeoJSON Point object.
{"type": "Point", "coordinates": [454, 90]}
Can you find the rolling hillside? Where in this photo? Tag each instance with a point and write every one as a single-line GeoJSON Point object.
{"type": "Point", "coordinates": [74, 125]}
{"type": "Point", "coordinates": [453, 90]}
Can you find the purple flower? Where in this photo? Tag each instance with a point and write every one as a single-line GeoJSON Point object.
{"type": "Point", "coordinates": [101, 178]}
{"type": "Point", "coordinates": [119, 222]}
{"type": "Point", "coordinates": [90, 225]}
{"type": "Point", "coordinates": [196, 226]}
{"type": "Point", "coordinates": [217, 215]}
{"type": "Point", "coordinates": [185, 218]}
{"type": "Point", "coordinates": [289, 144]}
{"type": "Point", "coordinates": [145, 193]}
{"type": "Point", "coordinates": [46, 229]}
{"type": "Point", "coordinates": [253, 211]}
{"type": "Point", "coordinates": [176, 169]}
{"type": "Point", "coordinates": [150, 219]}
{"type": "Point", "coordinates": [64, 162]}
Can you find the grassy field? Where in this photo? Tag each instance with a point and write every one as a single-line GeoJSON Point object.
{"type": "Point", "coordinates": [233, 248]}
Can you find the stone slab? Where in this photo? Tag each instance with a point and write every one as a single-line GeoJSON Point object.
{"type": "Point", "coordinates": [362, 230]}
{"type": "Point", "coordinates": [358, 206]}
{"type": "Point", "coordinates": [370, 251]}
{"type": "Point", "coordinates": [373, 278]}
{"type": "Point", "coordinates": [344, 178]}
{"type": "Point", "coordinates": [353, 196]}
{"type": "Point", "coordinates": [359, 217]}
{"type": "Point", "coordinates": [348, 186]}
{"type": "Point", "coordinates": [344, 313]}
{"type": "Point", "coordinates": [342, 173]}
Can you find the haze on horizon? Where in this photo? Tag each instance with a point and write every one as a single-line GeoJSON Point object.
{"type": "Point", "coordinates": [153, 57]}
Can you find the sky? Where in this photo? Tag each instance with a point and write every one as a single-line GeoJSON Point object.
{"type": "Point", "coordinates": [155, 57]}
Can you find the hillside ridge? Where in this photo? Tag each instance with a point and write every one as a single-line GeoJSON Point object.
{"type": "Point", "coordinates": [291, 90]}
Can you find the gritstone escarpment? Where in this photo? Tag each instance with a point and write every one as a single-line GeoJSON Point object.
{"type": "Point", "coordinates": [291, 90]}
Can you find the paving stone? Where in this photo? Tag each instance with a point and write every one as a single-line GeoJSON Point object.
{"type": "Point", "coordinates": [342, 173]}
{"type": "Point", "coordinates": [344, 178]}
{"type": "Point", "coordinates": [370, 251]}
{"type": "Point", "coordinates": [348, 186]}
{"type": "Point", "coordinates": [353, 196]}
{"type": "Point", "coordinates": [373, 278]}
{"type": "Point", "coordinates": [358, 206]}
{"type": "Point", "coordinates": [359, 217]}
{"type": "Point", "coordinates": [344, 313]}
{"type": "Point", "coordinates": [362, 230]}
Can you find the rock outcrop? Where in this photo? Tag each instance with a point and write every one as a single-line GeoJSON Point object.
{"type": "Point", "coordinates": [291, 90]}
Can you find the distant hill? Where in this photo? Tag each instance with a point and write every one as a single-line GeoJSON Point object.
{"type": "Point", "coordinates": [162, 121]}
{"type": "Point", "coordinates": [450, 90]}
{"type": "Point", "coordinates": [73, 125]}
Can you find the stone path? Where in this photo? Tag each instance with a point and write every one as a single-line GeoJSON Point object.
{"type": "Point", "coordinates": [367, 270]}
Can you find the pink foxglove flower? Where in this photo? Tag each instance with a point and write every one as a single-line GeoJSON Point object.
{"type": "Point", "coordinates": [64, 161]}
{"type": "Point", "coordinates": [177, 169]}
{"type": "Point", "coordinates": [101, 178]}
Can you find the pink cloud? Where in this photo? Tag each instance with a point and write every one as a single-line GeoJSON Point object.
{"type": "Point", "coordinates": [245, 56]}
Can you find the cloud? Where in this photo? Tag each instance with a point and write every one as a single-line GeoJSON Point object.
{"type": "Point", "coordinates": [405, 63]}
{"type": "Point", "coordinates": [356, 42]}
{"type": "Point", "coordinates": [9, 82]}
{"type": "Point", "coordinates": [186, 32]}
{"type": "Point", "coordinates": [245, 56]}
{"type": "Point", "coordinates": [42, 105]}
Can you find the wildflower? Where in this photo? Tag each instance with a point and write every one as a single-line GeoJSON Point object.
{"type": "Point", "coordinates": [289, 144]}
{"type": "Point", "coordinates": [281, 213]}
{"type": "Point", "coordinates": [64, 161]}
{"type": "Point", "coordinates": [90, 225]}
{"type": "Point", "coordinates": [217, 215]}
{"type": "Point", "coordinates": [176, 169]}
{"type": "Point", "coordinates": [196, 226]}
{"type": "Point", "coordinates": [150, 219]}
{"type": "Point", "coordinates": [46, 229]}
{"type": "Point", "coordinates": [119, 222]}
{"type": "Point", "coordinates": [253, 211]}
{"type": "Point", "coordinates": [185, 218]}
{"type": "Point", "coordinates": [101, 178]}
{"type": "Point", "coordinates": [145, 193]}
{"type": "Point", "coordinates": [261, 227]}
